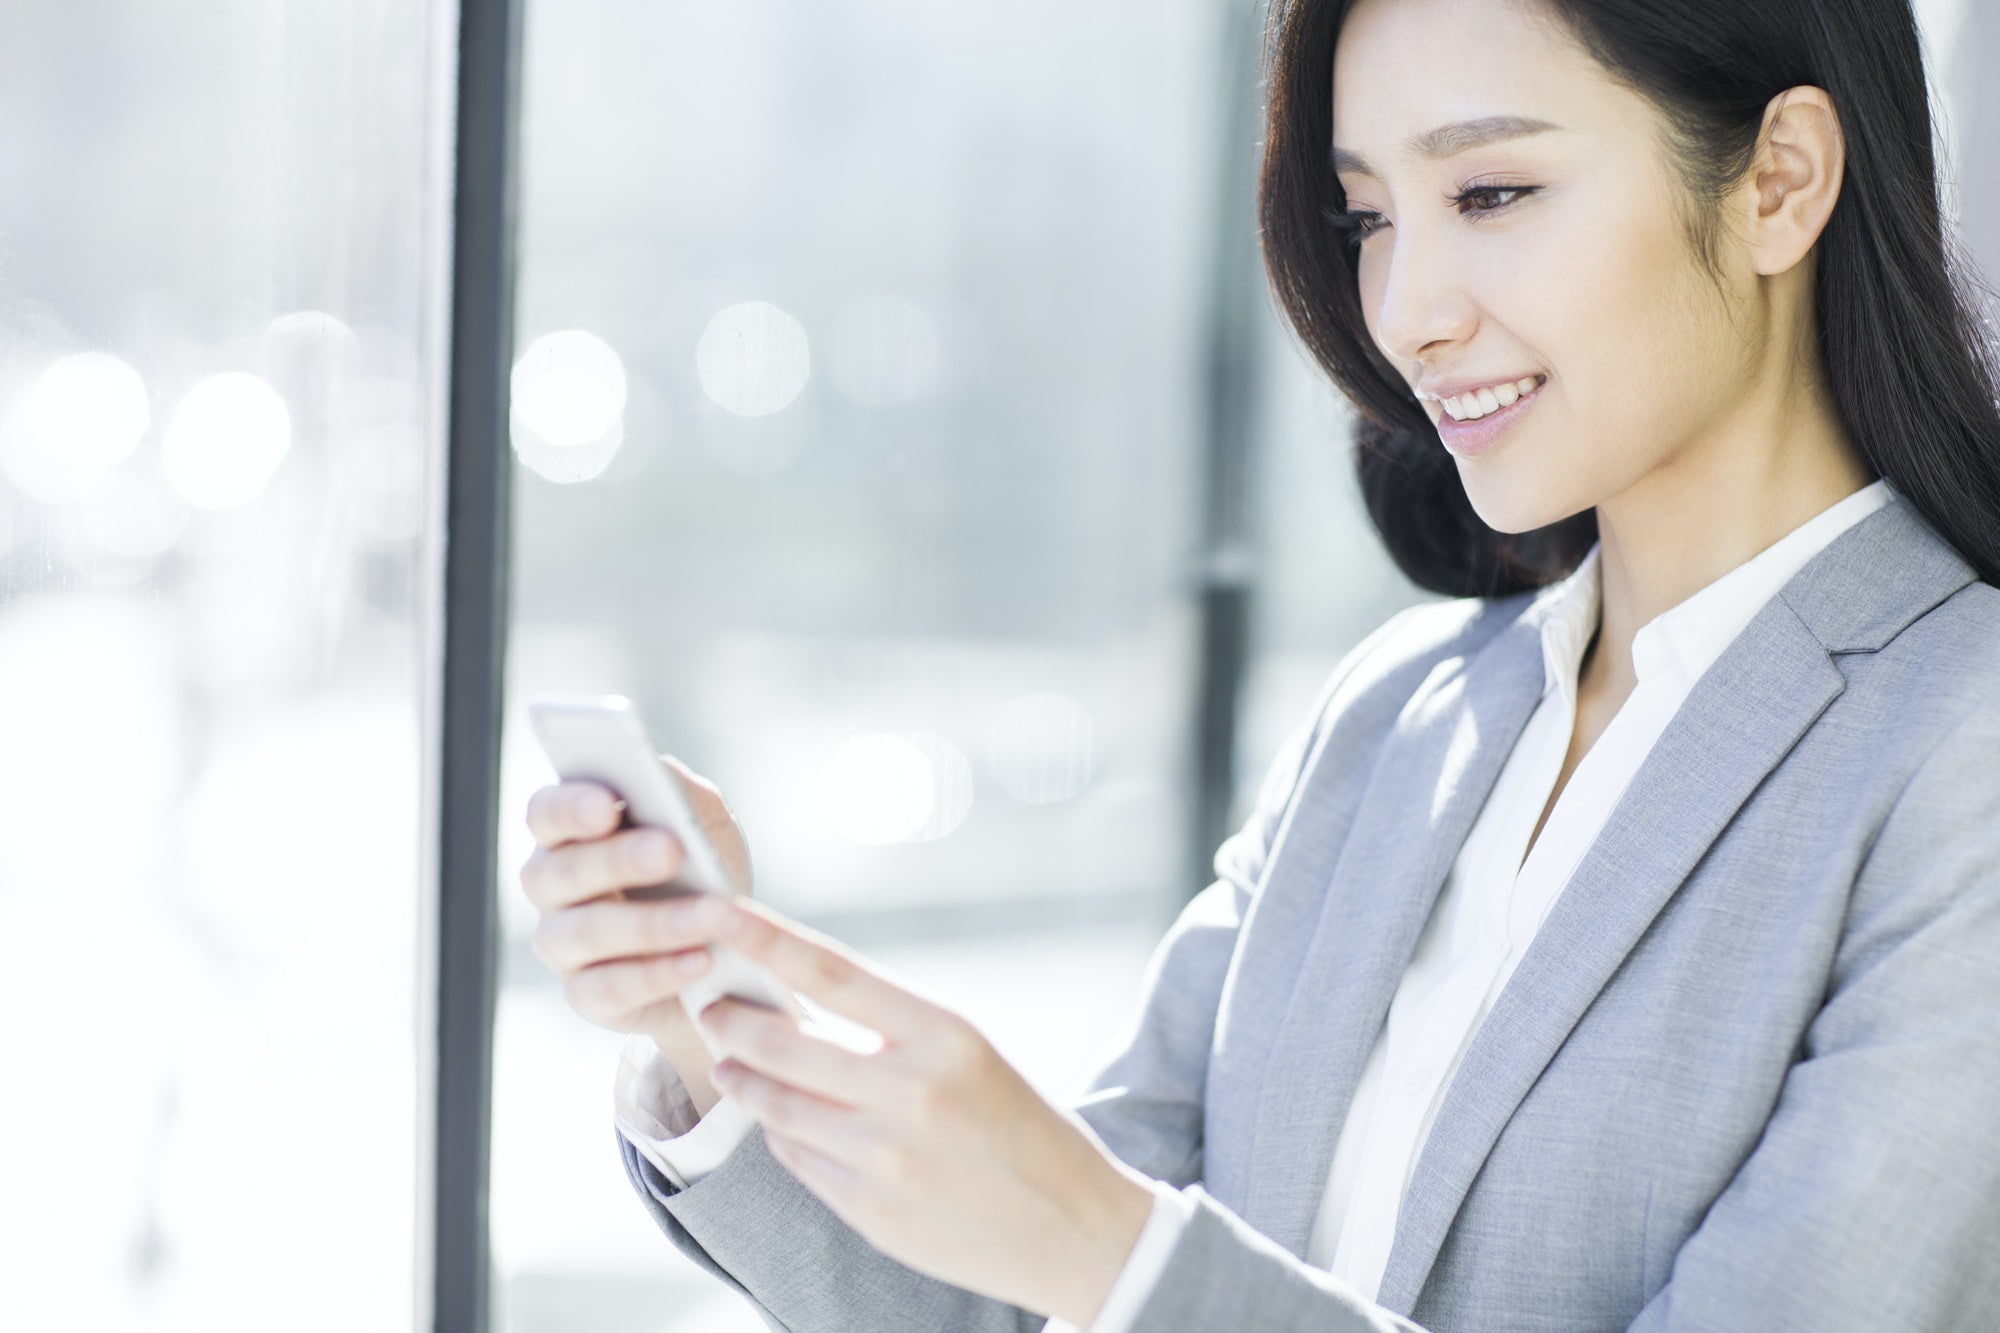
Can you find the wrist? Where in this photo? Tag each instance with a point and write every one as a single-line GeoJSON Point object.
{"type": "Point", "coordinates": [693, 1063]}
{"type": "Point", "coordinates": [1111, 1222]}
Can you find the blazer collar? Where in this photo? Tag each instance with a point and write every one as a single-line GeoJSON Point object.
{"type": "Point", "coordinates": [1441, 759]}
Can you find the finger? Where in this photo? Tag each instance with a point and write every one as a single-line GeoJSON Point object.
{"type": "Point", "coordinates": [839, 1132]}
{"type": "Point", "coordinates": [609, 993]}
{"type": "Point", "coordinates": [717, 824]}
{"type": "Point", "coordinates": [576, 872]}
{"type": "Point", "coordinates": [779, 1046]}
{"type": "Point", "coordinates": [828, 972]}
{"type": "Point", "coordinates": [703, 796]}
{"type": "Point", "coordinates": [572, 938]}
{"type": "Point", "coordinates": [571, 810]}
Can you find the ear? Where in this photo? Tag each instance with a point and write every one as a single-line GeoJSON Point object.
{"type": "Point", "coordinates": [1795, 177]}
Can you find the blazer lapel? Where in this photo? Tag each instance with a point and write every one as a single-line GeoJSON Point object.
{"type": "Point", "coordinates": [1743, 716]}
{"type": "Point", "coordinates": [1433, 774]}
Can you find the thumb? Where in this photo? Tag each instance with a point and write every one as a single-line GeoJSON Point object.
{"type": "Point", "coordinates": [704, 798]}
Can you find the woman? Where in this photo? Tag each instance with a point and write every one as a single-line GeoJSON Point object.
{"type": "Point", "coordinates": [1618, 944]}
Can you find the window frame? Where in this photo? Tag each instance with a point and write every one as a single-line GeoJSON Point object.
{"type": "Point", "coordinates": [471, 602]}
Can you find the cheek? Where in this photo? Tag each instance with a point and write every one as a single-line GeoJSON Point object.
{"type": "Point", "coordinates": [1368, 283]}
{"type": "Point", "coordinates": [1627, 322]}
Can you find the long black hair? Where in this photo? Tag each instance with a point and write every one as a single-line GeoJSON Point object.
{"type": "Point", "coordinates": [1912, 373]}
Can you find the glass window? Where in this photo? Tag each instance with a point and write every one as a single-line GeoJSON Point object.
{"type": "Point", "coordinates": [218, 385]}
{"type": "Point", "coordinates": [858, 415]}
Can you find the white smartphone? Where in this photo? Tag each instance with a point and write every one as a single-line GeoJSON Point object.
{"type": "Point", "coordinates": [601, 738]}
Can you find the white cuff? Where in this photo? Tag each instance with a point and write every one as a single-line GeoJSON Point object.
{"type": "Point", "coordinates": [1143, 1267]}
{"type": "Point", "coordinates": [654, 1111]}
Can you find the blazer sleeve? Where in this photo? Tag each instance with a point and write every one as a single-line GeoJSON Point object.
{"type": "Point", "coordinates": [1872, 1200]}
{"type": "Point", "coordinates": [755, 1227]}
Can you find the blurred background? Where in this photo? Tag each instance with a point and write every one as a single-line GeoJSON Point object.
{"type": "Point", "coordinates": [898, 415]}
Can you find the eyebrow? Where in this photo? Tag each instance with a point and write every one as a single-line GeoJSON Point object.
{"type": "Point", "coordinates": [1446, 140]}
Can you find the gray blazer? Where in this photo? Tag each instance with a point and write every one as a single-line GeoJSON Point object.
{"type": "Point", "coordinates": [1747, 1076]}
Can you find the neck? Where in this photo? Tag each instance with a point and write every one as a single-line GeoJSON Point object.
{"type": "Point", "coordinates": [1712, 507]}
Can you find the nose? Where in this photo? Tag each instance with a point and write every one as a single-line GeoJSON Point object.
{"type": "Point", "coordinates": [1417, 304]}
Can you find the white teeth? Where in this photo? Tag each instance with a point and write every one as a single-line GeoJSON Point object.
{"type": "Point", "coordinates": [1482, 402]}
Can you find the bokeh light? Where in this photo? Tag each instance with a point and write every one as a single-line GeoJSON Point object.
{"type": "Point", "coordinates": [89, 410]}
{"type": "Point", "coordinates": [885, 350]}
{"type": "Point", "coordinates": [569, 389]}
{"type": "Point", "coordinates": [568, 415]}
{"type": "Point", "coordinates": [568, 464]}
{"type": "Point", "coordinates": [951, 786]}
{"type": "Point", "coordinates": [753, 359]}
{"type": "Point", "coordinates": [225, 441]}
{"type": "Point", "coordinates": [313, 328]}
{"type": "Point", "coordinates": [1042, 748]}
{"type": "Point", "coordinates": [878, 789]}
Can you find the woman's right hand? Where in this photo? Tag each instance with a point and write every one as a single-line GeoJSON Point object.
{"type": "Point", "coordinates": [623, 961]}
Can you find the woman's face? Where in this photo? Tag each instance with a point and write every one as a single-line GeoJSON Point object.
{"type": "Point", "coordinates": [1559, 253]}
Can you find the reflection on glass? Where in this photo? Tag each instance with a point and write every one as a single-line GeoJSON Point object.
{"type": "Point", "coordinates": [216, 396]}
{"type": "Point", "coordinates": [225, 440]}
{"type": "Point", "coordinates": [753, 359]}
{"type": "Point", "coordinates": [87, 410]}
{"type": "Point", "coordinates": [951, 786]}
{"type": "Point", "coordinates": [314, 329]}
{"type": "Point", "coordinates": [878, 789]}
{"type": "Point", "coordinates": [907, 299]}
{"type": "Point", "coordinates": [568, 415]}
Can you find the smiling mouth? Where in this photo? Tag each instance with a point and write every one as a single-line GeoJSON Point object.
{"type": "Point", "coordinates": [1476, 436]}
{"type": "Point", "coordinates": [1481, 403]}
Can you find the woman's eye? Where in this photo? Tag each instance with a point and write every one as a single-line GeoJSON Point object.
{"type": "Point", "coordinates": [1490, 195]}
{"type": "Point", "coordinates": [1357, 226]}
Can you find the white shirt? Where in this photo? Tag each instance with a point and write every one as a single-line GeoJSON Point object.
{"type": "Point", "coordinates": [1492, 903]}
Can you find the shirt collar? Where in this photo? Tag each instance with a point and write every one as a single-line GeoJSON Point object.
{"type": "Point", "coordinates": [1570, 624]}
{"type": "Point", "coordinates": [1690, 635]}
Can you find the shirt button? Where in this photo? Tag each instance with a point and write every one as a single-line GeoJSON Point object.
{"type": "Point", "coordinates": [1419, 1080]}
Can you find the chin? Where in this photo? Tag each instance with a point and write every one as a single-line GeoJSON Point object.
{"type": "Point", "coordinates": [1512, 503]}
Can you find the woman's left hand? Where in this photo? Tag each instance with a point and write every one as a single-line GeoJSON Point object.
{"type": "Point", "coordinates": [932, 1147]}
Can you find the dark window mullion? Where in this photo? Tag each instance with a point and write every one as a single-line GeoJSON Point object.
{"type": "Point", "coordinates": [474, 610]}
{"type": "Point", "coordinates": [1225, 576]}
